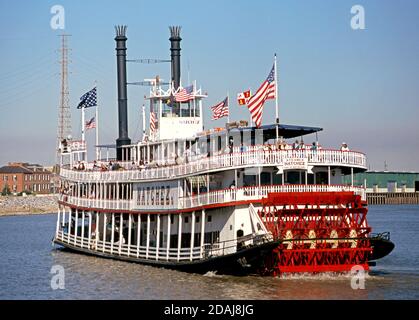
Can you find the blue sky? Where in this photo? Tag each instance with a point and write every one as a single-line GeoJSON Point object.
{"type": "Point", "coordinates": [361, 86]}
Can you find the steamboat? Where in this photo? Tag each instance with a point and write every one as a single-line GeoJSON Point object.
{"type": "Point", "coordinates": [240, 199]}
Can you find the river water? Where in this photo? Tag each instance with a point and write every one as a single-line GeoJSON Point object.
{"type": "Point", "coordinates": [27, 256]}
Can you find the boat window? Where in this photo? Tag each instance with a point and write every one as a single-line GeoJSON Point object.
{"type": "Point", "coordinates": [265, 178]}
{"type": "Point", "coordinates": [277, 178]}
{"type": "Point", "coordinates": [293, 177]}
{"type": "Point", "coordinates": [321, 177]}
{"type": "Point", "coordinates": [249, 180]}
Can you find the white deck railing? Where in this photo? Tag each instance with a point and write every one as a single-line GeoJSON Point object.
{"type": "Point", "coordinates": [133, 251]}
{"type": "Point", "coordinates": [97, 203]}
{"type": "Point", "coordinates": [256, 193]}
{"type": "Point", "coordinates": [233, 160]}
{"type": "Point", "coordinates": [213, 197]}
{"type": "Point", "coordinates": [158, 254]}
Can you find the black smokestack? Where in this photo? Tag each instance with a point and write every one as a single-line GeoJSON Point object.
{"type": "Point", "coordinates": [175, 54]}
{"type": "Point", "coordinates": [122, 90]}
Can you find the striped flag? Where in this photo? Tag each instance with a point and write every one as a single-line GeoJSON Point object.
{"type": "Point", "coordinates": [184, 95]}
{"type": "Point", "coordinates": [243, 97]}
{"type": "Point", "coordinates": [91, 124]}
{"type": "Point", "coordinates": [265, 91]}
{"type": "Point", "coordinates": [153, 122]}
{"type": "Point", "coordinates": [220, 110]}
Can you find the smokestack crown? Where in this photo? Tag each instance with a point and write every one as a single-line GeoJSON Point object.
{"type": "Point", "coordinates": [120, 32]}
{"type": "Point", "coordinates": [175, 32]}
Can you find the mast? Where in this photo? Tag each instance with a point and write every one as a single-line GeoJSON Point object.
{"type": "Point", "coordinates": [276, 101]}
{"type": "Point", "coordinates": [143, 115]}
{"type": "Point", "coordinates": [97, 125]}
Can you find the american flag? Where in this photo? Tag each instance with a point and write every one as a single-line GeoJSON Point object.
{"type": "Point", "coordinates": [184, 95]}
{"type": "Point", "coordinates": [89, 99]}
{"type": "Point", "coordinates": [91, 124]}
{"type": "Point", "coordinates": [220, 110]}
{"type": "Point", "coordinates": [153, 122]}
{"type": "Point", "coordinates": [266, 91]}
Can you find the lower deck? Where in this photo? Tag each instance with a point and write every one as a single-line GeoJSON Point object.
{"type": "Point", "coordinates": [160, 237]}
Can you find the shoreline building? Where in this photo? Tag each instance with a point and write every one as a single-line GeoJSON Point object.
{"type": "Point", "coordinates": [387, 181]}
{"type": "Point", "coordinates": [25, 177]}
{"type": "Point", "coordinates": [388, 187]}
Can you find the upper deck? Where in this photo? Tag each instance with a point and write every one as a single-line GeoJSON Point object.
{"type": "Point", "coordinates": [257, 156]}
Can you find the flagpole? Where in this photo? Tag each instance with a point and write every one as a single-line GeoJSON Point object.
{"type": "Point", "coordinates": [228, 106]}
{"type": "Point", "coordinates": [143, 109]}
{"type": "Point", "coordinates": [194, 99]}
{"type": "Point", "coordinates": [97, 124]}
{"type": "Point", "coordinates": [250, 117]}
{"type": "Point", "coordinates": [276, 101]}
{"type": "Point", "coordinates": [83, 125]}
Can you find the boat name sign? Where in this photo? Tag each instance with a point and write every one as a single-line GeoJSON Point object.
{"type": "Point", "coordinates": [295, 164]}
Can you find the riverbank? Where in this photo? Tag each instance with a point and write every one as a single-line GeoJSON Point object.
{"type": "Point", "coordinates": [13, 205]}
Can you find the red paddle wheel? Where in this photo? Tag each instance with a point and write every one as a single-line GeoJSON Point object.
{"type": "Point", "coordinates": [319, 232]}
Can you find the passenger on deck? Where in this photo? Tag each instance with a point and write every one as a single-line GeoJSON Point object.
{"type": "Point", "coordinates": [267, 147]}
{"type": "Point", "coordinates": [187, 155]}
{"type": "Point", "coordinates": [281, 145]}
{"type": "Point", "coordinates": [95, 165]}
{"type": "Point", "coordinates": [116, 166]}
{"type": "Point", "coordinates": [230, 148]}
{"type": "Point", "coordinates": [177, 159]}
{"type": "Point", "coordinates": [296, 145]}
{"type": "Point", "coordinates": [141, 166]}
{"type": "Point", "coordinates": [344, 147]}
{"type": "Point", "coordinates": [80, 166]}
{"type": "Point", "coordinates": [314, 146]}
{"type": "Point", "coordinates": [131, 166]}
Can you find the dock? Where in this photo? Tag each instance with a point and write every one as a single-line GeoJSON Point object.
{"type": "Point", "coordinates": [379, 198]}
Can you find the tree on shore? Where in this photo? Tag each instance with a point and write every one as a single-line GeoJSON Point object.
{"type": "Point", "coordinates": [6, 191]}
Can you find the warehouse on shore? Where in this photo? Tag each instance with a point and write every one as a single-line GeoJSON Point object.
{"type": "Point", "coordinates": [387, 181]}
{"type": "Point", "coordinates": [388, 187]}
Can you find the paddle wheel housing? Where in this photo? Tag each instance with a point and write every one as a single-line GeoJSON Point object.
{"type": "Point", "coordinates": [319, 232]}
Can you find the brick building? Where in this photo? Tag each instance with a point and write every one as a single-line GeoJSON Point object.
{"type": "Point", "coordinates": [21, 177]}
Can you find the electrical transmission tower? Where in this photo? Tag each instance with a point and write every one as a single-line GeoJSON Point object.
{"type": "Point", "coordinates": [64, 115]}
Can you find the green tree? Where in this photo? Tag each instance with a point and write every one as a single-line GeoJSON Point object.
{"type": "Point", "coordinates": [6, 191]}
